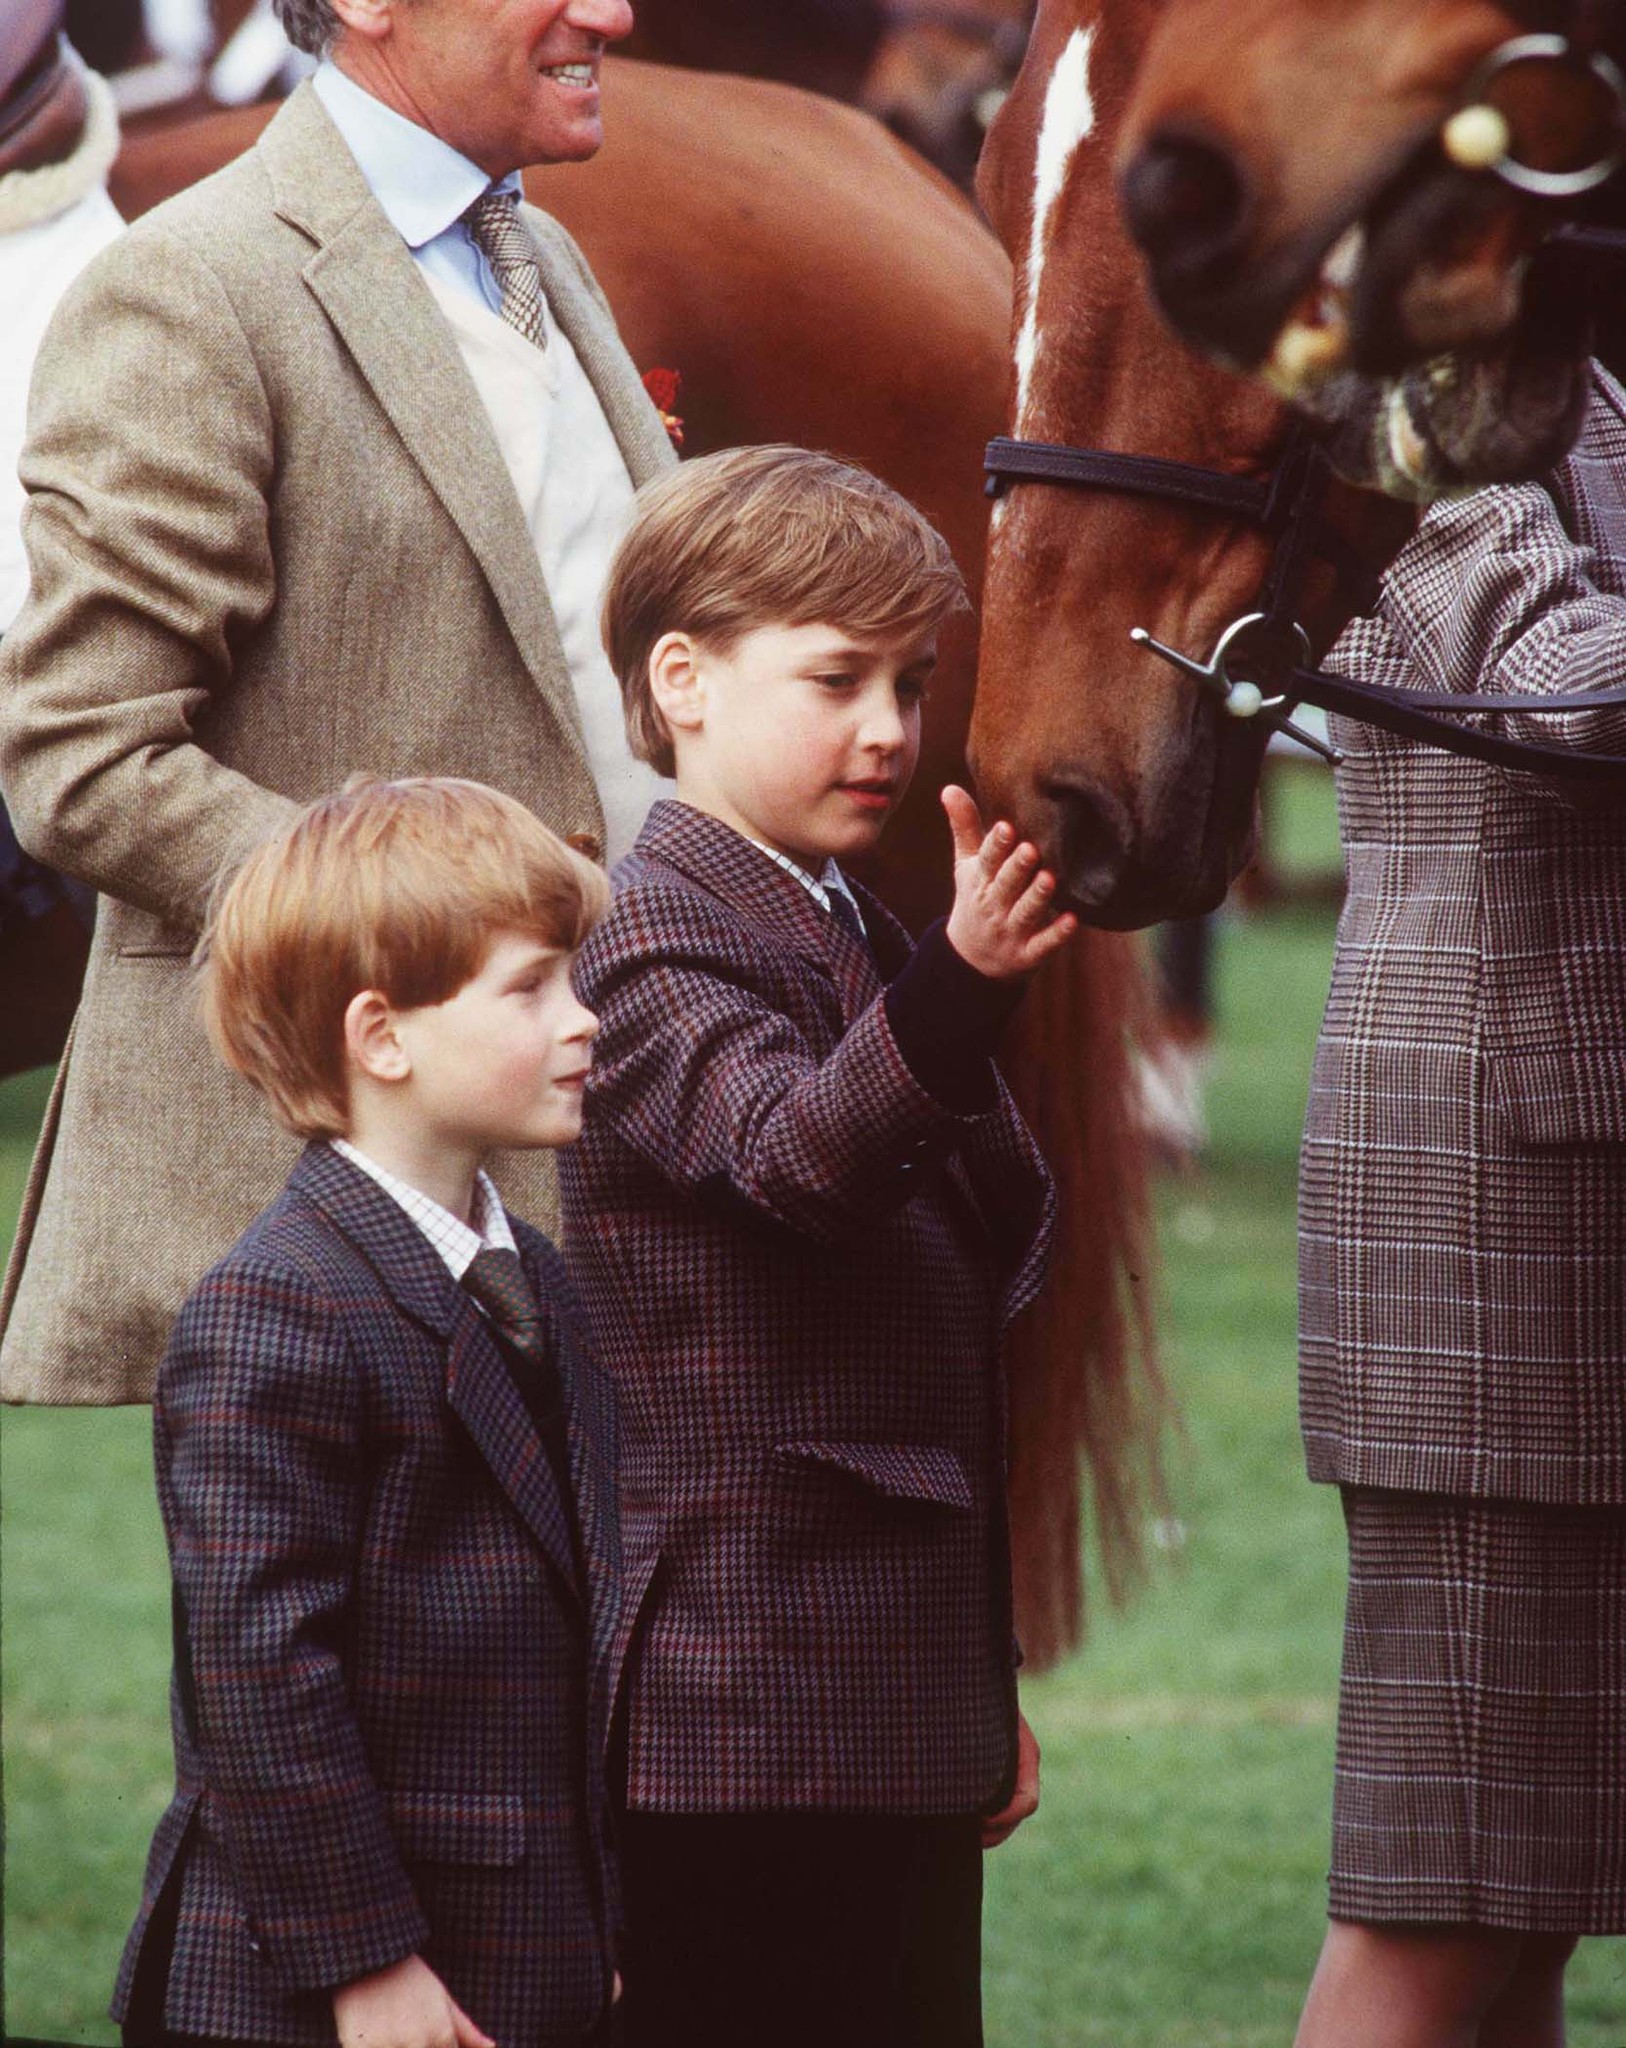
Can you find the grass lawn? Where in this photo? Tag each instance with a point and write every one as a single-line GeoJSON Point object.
{"type": "Point", "coordinates": [1170, 1895]}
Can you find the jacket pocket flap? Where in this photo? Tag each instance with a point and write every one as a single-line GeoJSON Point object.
{"type": "Point", "coordinates": [447, 1827]}
{"type": "Point", "coordinates": [900, 1471]}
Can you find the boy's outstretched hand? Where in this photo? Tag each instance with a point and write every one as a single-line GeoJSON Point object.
{"type": "Point", "coordinates": [1004, 920]}
{"type": "Point", "coordinates": [405, 2006]}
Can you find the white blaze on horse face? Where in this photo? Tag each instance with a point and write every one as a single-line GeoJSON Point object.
{"type": "Point", "coordinates": [1069, 116]}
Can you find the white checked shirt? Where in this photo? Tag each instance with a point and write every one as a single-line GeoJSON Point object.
{"type": "Point", "coordinates": [455, 1241]}
{"type": "Point", "coordinates": [821, 886]}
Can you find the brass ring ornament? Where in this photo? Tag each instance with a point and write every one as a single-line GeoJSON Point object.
{"type": "Point", "coordinates": [1479, 136]}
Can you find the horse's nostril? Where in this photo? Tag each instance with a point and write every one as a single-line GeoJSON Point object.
{"type": "Point", "coordinates": [1184, 199]}
{"type": "Point", "coordinates": [1094, 839]}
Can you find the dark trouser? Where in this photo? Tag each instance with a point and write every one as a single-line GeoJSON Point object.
{"type": "Point", "coordinates": [803, 1930]}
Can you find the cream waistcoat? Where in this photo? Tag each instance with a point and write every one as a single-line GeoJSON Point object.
{"type": "Point", "coordinates": [576, 494]}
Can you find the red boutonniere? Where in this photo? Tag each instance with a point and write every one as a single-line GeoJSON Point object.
{"type": "Point", "coordinates": [665, 388]}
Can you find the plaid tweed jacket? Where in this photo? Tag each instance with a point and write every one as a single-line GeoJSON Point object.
{"type": "Point", "coordinates": [798, 1266]}
{"type": "Point", "coordinates": [1463, 1181]}
{"type": "Point", "coordinates": [391, 1687]}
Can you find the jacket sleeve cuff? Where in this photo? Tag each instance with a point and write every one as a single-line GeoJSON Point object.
{"type": "Point", "coordinates": [947, 1020]}
{"type": "Point", "coordinates": [307, 1956]}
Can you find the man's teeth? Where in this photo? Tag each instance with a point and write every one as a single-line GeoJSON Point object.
{"type": "Point", "coordinates": [571, 74]}
{"type": "Point", "coordinates": [1314, 343]}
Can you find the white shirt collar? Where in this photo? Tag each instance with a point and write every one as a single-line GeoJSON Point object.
{"type": "Point", "coordinates": [819, 887]}
{"type": "Point", "coordinates": [423, 185]}
{"type": "Point", "coordinates": [454, 1240]}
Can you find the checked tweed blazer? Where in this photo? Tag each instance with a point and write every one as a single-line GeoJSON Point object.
{"type": "Point", "coordinates": [392, 1688]}
{"type": "Point", "coordinates": [798, 1266]}
{"type": "Point", "coordinates": [1463, 1182]}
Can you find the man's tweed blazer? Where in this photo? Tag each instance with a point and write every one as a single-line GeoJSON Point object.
{"type": "Point", "coordinates": [1463, 1195]}
{"type": "Point", "coordinates": [273, 540]}
{"type": "Point", "coordinates": [391, 1687]}
{"type": "Point", "coordinates": [798, 1266]}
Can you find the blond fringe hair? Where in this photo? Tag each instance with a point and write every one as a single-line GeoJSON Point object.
{"type": "Point", "coordinates": [396, 886]}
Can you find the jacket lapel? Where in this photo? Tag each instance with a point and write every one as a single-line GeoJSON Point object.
{"type": "Point", "coordinates": [479, 1385]}
{"type": "Point", "coordinates": [594, 1486]}
{"type": "Point", "coordinates": [727, 865]}
{"type": "Point", "coordinates": [370, 288]}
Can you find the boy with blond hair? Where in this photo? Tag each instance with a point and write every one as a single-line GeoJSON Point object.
{"type": "Point", "coordinates": [803, 1211]}
{"type": "Point", "coordinates": [383, 1463]}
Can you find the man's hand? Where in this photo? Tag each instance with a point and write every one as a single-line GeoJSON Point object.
{"type": "Point", "coordinates": [1004, 920]}
{"type": "Point", "coordinates": [405, 2006]}
{"type": "Point", "coordinates": [999, 1827]}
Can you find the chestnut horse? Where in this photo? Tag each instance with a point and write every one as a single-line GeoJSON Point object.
{"type": "Point", "coordinates": [1132, 780]}
{"type": "Point", "coordinates": [813, 282]}
{"type": "Point", "coordinates": [1312, 199]}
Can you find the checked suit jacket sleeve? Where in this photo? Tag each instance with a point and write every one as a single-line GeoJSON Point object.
{"type": "Point", "coordinates": [262, 1405]}
{"type": "Point", "coordinates": [715, 1085]}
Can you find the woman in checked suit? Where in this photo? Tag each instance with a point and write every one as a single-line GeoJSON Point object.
{"type": "Point", "coordinates": [1463, 1288]}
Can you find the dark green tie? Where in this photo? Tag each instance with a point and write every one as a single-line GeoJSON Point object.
{"type": "Point", "coordinates": [497, 1281]}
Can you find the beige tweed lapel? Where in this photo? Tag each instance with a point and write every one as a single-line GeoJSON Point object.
{"type": "Point", "coordinates": [365, 280]}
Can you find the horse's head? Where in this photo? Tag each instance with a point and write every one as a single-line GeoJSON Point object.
{"type": "Point", "coordinates": [1135, 784]}
{"type": "Point", "coordinates": [1306, 211]}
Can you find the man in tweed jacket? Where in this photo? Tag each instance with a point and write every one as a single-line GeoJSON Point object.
{"type": "Point", "coordinates": [802, 1214]}
{"type": "Point", "coordinates": [386, 1469]}
{"type": "Point", "coordinates": [275, 536]}
{"type": "Point", "coordinates": [1463, 1282]}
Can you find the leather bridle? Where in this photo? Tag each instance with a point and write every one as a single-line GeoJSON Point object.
{"type": "Point", "coordinates": [1270, 641]}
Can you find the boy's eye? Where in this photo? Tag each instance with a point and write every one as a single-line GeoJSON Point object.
{"type": "Point", "coordinates": [835, 681]}
{"type": "Point", "coordinates": [912, 690]}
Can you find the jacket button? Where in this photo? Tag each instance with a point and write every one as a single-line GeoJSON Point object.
{"type": "Point", "coordinates": [586, 843]}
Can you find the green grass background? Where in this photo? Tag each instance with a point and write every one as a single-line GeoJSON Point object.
{"type": "Point", "coordinates": [1170, 1893]}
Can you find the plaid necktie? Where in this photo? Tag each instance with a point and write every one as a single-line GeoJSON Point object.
{"type": "Point", "coordinates": [493, 221]}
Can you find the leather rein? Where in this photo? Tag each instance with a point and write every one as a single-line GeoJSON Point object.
{"type": "Point", "coordinates": [1288, 507]}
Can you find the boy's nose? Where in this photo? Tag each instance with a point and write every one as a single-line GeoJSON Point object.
{"type": "Point", "coordinates": [882, 729]}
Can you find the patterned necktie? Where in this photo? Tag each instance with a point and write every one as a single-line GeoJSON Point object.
{"type": "Point", "coordinates": [493, 221]}
{"type": "Point", "coordinates": [845, 915]}
{"type": "Point", "coordinates": [497, 1281]}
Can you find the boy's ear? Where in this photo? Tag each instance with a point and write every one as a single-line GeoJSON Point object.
{"type": "Point", "coordinates": [371, 1042]}
{"type": "Point", "coordinates": [676, 683]}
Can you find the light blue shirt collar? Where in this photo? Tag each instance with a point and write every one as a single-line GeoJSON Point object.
{"type": "Point", "coordinates": [423, 185]}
